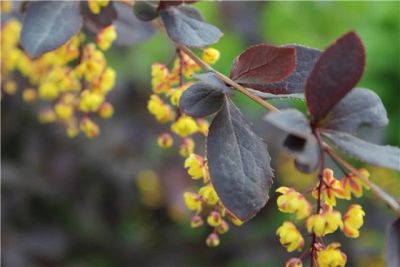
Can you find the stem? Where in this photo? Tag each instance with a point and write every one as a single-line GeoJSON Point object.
{"type": "Point", "coordinates": [320, 178]}
{"type": "Point", "coordinates": [226, 79]}
{"type": "Point", "coordinates": [389, 200]}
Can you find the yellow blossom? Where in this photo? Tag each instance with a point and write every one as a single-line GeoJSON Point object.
{"type": "Point", "coordinates": [89, 128]}
{"type": "Point", "coordinates": [47, 115]}
{"type": "Point", "coordinates": [161, 111]}
{"type": "Point", "coordinates": [64, 111]}
{"type": "Point", "coordinates": [354, 184]}
{"type": "Point", "coordinates": [106, 36]}
{"type": "Point", "coordinates": [160, 78]}
{"type": "Point", "coordinates": [187, 147]}
{"type": "Point", "coordinates": [210, 55]}
{"type": "Point", "coordinates": [10, 87]}
{"type": "Point", "coordinates": [203, 126]}
{"type": "Point", "coordinates": [96, 5]}
{"type": "Point", "coordinates": [208, 194]}
{"type": "Point", "coordinates": [184, 126]}
{"type": "Point", "coordinates": [90, 101]}
{"type": "Point", "coordinates": [353, 219]}
{"type": "Point", "coordinates": [29, 95]}
{"type": "Point", "coordinates": [214, 219]}
{"type": "Point", "coordinates": [106, 110]}
{"type": "Point", "coordinates": [330, 189]}
{"type": "Point", "coordinates": [48, 91]}
{"type": "Point", "coordinates": [290, 237]}
{"type": "Point", "coordinates": [192, 201]}
{"type": "Point", "coordinates": [165, 140]}
{"type": "Point", "coordinates": [331, 256]}
{"type": "Point", "coordinates": [325, 223]}
{"type": "Point", "coordinates": [195, 164]}
{"type": "Point", "coordinates": [292, 201]}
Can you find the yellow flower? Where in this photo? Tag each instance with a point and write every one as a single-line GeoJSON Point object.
{"type": "Point", "coordinates": [47, 116]}
{"type": "Point", "coordinates": [293, 202]}
{"type": "Point", "coordinates": [105, 37]}
{"type": "Point", "coordinates": [187, 147]}
{"type": "Point", "coordinates": [29, 95]}
{"type": "Point", "coordinates": [48, 91]}
{"type": "Point", "coordinates": [294, 262]}
{"type": "Point", "coordinates": [203, 126]}
{"type": "Point", "coordinates": [353, 219]}
{"type": "Point", "coordinates": [290, 237]}
{"type": "Point", "coordinates": [192, 201]}
{"type": "Point", "coordinates": [211, 55]}
{"type": "Point", "coordinates": [106, 110]}
{"type": "Point", "coordinates": [330, 189]}
{"type": "Point", "coordinates": [10, 87]}
{"type": "Point", "coordinates": [212, 240]}
{"type": "Point", "coordinates": [354, 184]}
{"type": "Point", "coordinates": [90, 101]}
{"type": "Point", "coordinates": [214, 219]}
{"type": "Point", "coordinates": [160, 78]}
{"type": "Point", "coordinates": [64, 111]}
{"type": "Point", "coordinates": [331, 256]}
{"type": "Point", "coordinates": [96, 5]}
{"type": "Point", "coordinates": [161, 111]}
{"type": "Point", "coordinates": [89, 128]}
{"type": "Point", "coordinates": [165, 140]}
{"type": "Point", "coordinates": [184, 126]}
{"type": "Point", "coordinates": [208, 194]}
{"type": "Point", "coordinates": [195, 165]}
{"type": "Point", "coordinates": [325, 223]}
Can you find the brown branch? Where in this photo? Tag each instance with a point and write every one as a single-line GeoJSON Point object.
{"type": "Point", "coordinates": [389, 200]}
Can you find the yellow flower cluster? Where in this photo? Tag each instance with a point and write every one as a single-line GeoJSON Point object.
{"type": "Point", "coordinates": [326, 220]}
{"type": "Point", "coordinates": [96, 5]}
{"type": "Point", "coordinates": [74, 79]}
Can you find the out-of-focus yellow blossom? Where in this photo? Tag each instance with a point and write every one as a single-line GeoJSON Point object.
{"type": "Point", "coordinates": [294, 262]}
{"type": "Point", "coordinates": [6, 6]}
{"type": "Point", "coordinates": [149, 186]}
{"type": "Point", "coordinates": [161, 111]}
{"type": "Point", "coordinates": [290, 237]}
{"type": "Point", "coordinates": [212, 240]}
{"type": "Point", "coordinates": [10, 87]}
{"type": "Point", "coordinates": [195, 164]}
{"type": "Point", "coordinates": [208, 194]}
{"type": "Point", "coordinates": [331, 256]}
{"type": "Point", "coordinates": [203, 126]}
{"type": "Point", "coordinates": [353, 219]}
{"type": "Point", "coordinates": [165, 140]}
{"type": "Point", "coordinates": [292, 201]}
{"type": "Point", "coordinates": [210, 55]}
{"type": "Point", "coordinates": [160, 78]}
{"type": "Point", "coordinates": [106, 37]}
{"type": "Point", "coordinates": [72, 128]}
{"type": "Point", "coordinates": [187, 147]}
{"type": "Point", "coordinates": [47, 116]}
{"type": "Point", "coordinates": [192, 201]}
{"type": "Point", "coordinates": [196, 221]}
{"type": "Point", "coordinates": [223, 227]}
{"type": "Point", "coordinates": [64, 111]}
{"type": "Point", "coordinates": [184, 126]}
{"type": "Point", "coordinates": [48, 91]}
{"type": "Point", "coordinates": [214, 219]}
{"type": "Point", "coordinates": [183, 64]}
{"type": "Point", "coordinates": [106, 110]}
{"type": "Point", "coordinates": [354, 184]}
{"type": "Point", "coordinates": [106, 81]}
{"type": "Point", "coordinates": [325, 223]}
{"type": "Point", "coordinates": [96, 5]}
{"type": "Point", "coordinates": [90, 101]}
{"type": "Point", "coordinates": [176, 93]}
{"type": "Point", "coordinates": [89, 128]}
{"type": "Point", "coordinates": [29, 95]}
{"type": "Point", "coordinates": [331, 188]}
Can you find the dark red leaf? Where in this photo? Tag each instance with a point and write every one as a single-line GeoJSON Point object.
{"type": "Point", "coordinates": [336, 72]}
{"type": "Point", "coordinates": [145, 10]}
{"type": "Point", "coordinates": [262, 63]}
{"type": "Point", "coordinates": [96, 22]}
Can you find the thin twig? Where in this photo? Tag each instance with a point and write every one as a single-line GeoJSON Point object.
{"type": "Point", "coordinates": [226, 79]}
{"type": "Point", "coordinates": [379, 192]}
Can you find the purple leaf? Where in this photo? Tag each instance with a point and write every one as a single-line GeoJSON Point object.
{"type": "Point", "coordinates": [295, 82]}
{"type": "Point", "coordinates": [239, 163]}
{"type": "Point", "coordinates": [360, 107]}
{"type": "Point", "coordinates": [48, 25]}
{"type": "Point", "coordinates": [96, 22]}
{"type": "Point", "coordinates": [186, 29]}
{"type": "Point", "coordinates": [336, 72]}
{"type": "Point", "coordinates": [262, 63]}
{"type": "Point", "coordinates": [384, 156]}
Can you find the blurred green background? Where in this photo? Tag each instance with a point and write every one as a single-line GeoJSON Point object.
{"type": "Point", "coordinates": [76, 202]}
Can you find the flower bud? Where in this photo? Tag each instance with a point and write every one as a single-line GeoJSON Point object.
{"type": "Point", "coordinates": [196, 221]}
{"type": "Point", "coordinates": [165, 140]}
{"type": "Point", "coordinates": [212, 240]}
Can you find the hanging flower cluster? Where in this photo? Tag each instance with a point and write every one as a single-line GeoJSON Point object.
{"type": "Point", "coordinates": [326, 220]}
{"type": "Point", "coordinates": [168, 86]}
{"type": "Point", "coordinates": [73, 81]}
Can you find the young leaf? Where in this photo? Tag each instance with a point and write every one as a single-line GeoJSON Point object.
{"type": "Point", "coordinates": [359, 107]}
{"type": "Point", "coordinates": [201, 99]}
{"type": "Point", "coordinates": [184, 28]}
{"type": "Point", "coordinates": [335, 73]}
{"type": "Point", "coordinates": [239, 163]}
{"type": "Point", "coordinates": [48, 25]}
{"type": "Point", "coordinates": [96, 22]}
{"type": "Point", "coordinates": [295, 82]}
{"type": "Point", "coordinates": [129, 28]}
{"type": "Point", "coordinates": [392, 244]}
{"type": "Point", "coordinates": [261, 64]}
{"type": "Point", "coordinates": [384, 156]}
{"type": "Point", "coordinates": [293, 133]}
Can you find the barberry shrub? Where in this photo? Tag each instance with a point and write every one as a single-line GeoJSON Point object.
{"type": "Point", "coordinates": [63, 65]}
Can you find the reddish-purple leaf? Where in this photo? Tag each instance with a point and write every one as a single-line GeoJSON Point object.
{"type": "Point", "coordinates": [96, 22]}
{"type": "Point", "coordinates": [336, 72]}
{"type": "Point", "coordinates": [262, 63]}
